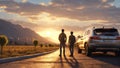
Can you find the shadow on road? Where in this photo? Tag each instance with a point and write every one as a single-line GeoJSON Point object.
{"type": "Point", "coordinates": [73, 63]}
{"type": "Point", "coordinates": [107, 58]}
{"type": "Point", "coordinates": [61, 61]}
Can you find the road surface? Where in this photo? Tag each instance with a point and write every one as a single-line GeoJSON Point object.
{"type": "Point", "coordinates": [97, 60]}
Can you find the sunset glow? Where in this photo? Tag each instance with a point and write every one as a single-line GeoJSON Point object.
{"type": "Point", "coordinates": [50, 34]}
{"type": "Point", "coordinates": [48, 17]}
{"type": "Point", "coordinates": [60, 33]}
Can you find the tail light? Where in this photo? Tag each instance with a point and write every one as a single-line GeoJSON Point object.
{"type": "Point", "coordinates": [95, 38]}
{"type": "Point", "coordinates": [118, 38]}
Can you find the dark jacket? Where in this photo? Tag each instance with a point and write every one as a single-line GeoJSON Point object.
{"type": "Point", "coordinates": [62, 38]}
{"type": "Point", "coordinates": [72, 39]}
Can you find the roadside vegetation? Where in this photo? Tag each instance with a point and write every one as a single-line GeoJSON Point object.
{"type": "Point", "coordinates": [15, 50]}
{"type": "Point", "coordinates": [3, 42]}
{"type": "Point", "coordinates": [21, 50]}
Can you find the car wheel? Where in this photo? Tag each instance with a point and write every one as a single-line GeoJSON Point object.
{"type": "Point", "coordinates": [79, 50]}
{"type": "Point", "coordinates": [88, 51]}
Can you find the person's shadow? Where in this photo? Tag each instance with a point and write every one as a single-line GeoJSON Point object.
{"type": "Point", "coordinates": [72, 62]}
{"type": "Point", "coordinates": [61, 61]}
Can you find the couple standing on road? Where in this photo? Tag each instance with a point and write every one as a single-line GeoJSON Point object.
{"type": "Point", "coordinates": [62, 39]}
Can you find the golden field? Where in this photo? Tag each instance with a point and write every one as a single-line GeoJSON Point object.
{"type": "Point", "coordinates": [13, 51]}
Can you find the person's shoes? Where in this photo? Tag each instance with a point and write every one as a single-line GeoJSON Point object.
{"type": "Point", "coordinates": [60, 55]}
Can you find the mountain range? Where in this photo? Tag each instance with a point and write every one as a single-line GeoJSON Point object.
{"type": "Point", "coordinates": [17, 34]}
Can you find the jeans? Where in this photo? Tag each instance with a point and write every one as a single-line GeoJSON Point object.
{"type": "Point", "coordinates": [62, 46]}
{"type": "Point", "coordinates": [71, 48]}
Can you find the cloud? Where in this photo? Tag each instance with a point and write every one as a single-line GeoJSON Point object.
{"type": "Point", "coordinates": [73, 9]}
{"type": "Point", "coordinates": [72, 15]}
{"type": "Point", "coordinates": [21, 8]}
{"type": "Point", "coordinates": [24, 1]}
{"type": "Point", "coordinates": [89, 9]}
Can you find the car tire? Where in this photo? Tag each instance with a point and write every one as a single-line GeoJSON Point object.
{"type": "Point", "coordinates": [88, 51]}
{"type": "Point", "coordinates": [79, 50]}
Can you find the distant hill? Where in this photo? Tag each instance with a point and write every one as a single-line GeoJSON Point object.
{"type": "Point", "coordinates": [18, 34]}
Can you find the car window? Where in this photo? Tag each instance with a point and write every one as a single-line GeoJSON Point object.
{"type": "Point", "coordinates": [106, 32]}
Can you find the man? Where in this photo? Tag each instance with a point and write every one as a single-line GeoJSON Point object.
{"type": "Point", "coordinates": [62, 39]}
{"type": "Point", "coordinates": [71, 41]}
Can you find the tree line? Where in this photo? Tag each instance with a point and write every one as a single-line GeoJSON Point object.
{"type": "Point", "coordinates": [4, 41]}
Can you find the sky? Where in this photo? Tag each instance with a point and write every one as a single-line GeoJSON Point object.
{"type": "Point", "coordinates": [48, 17]}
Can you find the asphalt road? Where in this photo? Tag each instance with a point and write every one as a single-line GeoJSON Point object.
{"type": "Point", "coordinates": [97, 60]}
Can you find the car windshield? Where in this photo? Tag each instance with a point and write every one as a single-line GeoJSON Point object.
{"type": "Point", "coordinates": [106, 32]}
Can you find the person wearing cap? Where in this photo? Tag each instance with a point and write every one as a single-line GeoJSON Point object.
{"type": "Point", "coordinates": [62, 38]}
{"type": "Point", "coordinates": [71, 42]}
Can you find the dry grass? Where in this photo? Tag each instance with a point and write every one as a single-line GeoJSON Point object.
{"type": "Point", "coordinates": [13, 51]}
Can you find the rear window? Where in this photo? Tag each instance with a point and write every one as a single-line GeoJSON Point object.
{"type": "Point", "coordinates": [106, 32]}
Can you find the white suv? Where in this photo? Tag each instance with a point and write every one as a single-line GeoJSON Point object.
{"type": "Point", "coordinates": [99, 39]}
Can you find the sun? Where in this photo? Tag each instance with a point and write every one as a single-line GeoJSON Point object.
{"type": "Point", "coordinates": [48, 33]}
